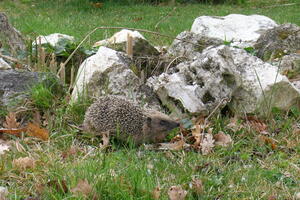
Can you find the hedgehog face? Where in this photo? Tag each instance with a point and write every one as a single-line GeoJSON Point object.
{"type": "Point", "coordinates": [159, 127]}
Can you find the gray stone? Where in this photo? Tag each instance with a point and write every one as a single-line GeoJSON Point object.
{"type": "Point", "coordinates": [14, 85]}
{"type": "Point", "coordinates": [290, 63]}
{"type": "Point", "coordinates": [278, 41]}
{"type": "Point", "coordinates": [191, 44]}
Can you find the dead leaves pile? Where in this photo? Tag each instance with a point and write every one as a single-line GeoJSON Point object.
{"type": "Point", "coordinates": [199, 138]}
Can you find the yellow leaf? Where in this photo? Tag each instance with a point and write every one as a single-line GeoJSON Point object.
{"type": "Point", "coordinates": [34, 130]}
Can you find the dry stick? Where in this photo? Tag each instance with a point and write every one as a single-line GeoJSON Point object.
{"type": "Point", "coordinates": [11, 59]}
{"type": "Point", "coordinates": [281, 5]}
{"type": "Point", "coordinates": [165, 17]}
{"type": "Point", "coordinates": [132, 29]}
{"type": "Point", "coordinates": [209, 116]}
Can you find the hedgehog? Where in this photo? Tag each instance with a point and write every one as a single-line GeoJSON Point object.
{"type": "Point", "coordinates": [125, 121]}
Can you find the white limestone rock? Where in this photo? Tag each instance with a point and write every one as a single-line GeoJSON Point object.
{"type": "Point", "coordinates": [242, 30]}
{"type": "Point", "coordinates": [118, 42]}
{"type": "Point", "coordinates": [4, 65]}
{"type": "Point", "coordinates": [53, 39]}
{"type": "Point", "coordinates": [221, 73]}
{"type": "Point", "coordinates": [106, 72]}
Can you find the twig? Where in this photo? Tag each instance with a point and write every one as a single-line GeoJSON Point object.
{"type": "Point", "coordinates": [178, 57]}
{"type": "Point", "coordinates": [165, 17]}
{"type": "Point", "coordinates": [209, 116]}
{"type": "Point", "coordinates": [132, 29]}
{"type": "Point", "coordinates": [281, 5]}
{"type": "Point", "coordinates": [11, 59]}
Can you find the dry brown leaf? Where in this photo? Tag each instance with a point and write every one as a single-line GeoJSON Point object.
{"type": "Point", "coordinates": [24, 163]}
{"type": "Point", "coordinates": [34, 130]}
{"type": "Point", "coordinates": [176, 193]}
{"type": "Point", "coordinates": [207, 144]}
{"type": "Point", "coordinates": [11, 121]}
{"type": "Point", "coordinates": [197, 186]}
{"type": "Point", "coordinates": [13, 131]}
{"type": "Point", "coordinates": [105, 140]}
{"type": "Point", "coordinates": [222, 139]}
{"type": "Point", "coordinates": [268, 141]}
{"type": "Point", "coordinates": [58, 185]}
{"type": "Point", "coordinates": [233, 125]}
{"type": "Point", "coordinates": [272, 197]}
{"type": "Point", "coordinates": [196, 132]}
{"type": "Point", "coordinates": [70, 152]}
{"type": "Point", "coordinates": [156, 193]}
{"type": "Point", "coordinates": [83, 188]}
{"type": "Point", "coordinates": [257, 124]}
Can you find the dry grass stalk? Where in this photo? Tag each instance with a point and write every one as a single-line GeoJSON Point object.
{"type": "Point", "coordinates": [62, 73]}
{"type": "Point", "coordinates": [53, 64]}
{"type": "Point", "coordinates": [129, 46]}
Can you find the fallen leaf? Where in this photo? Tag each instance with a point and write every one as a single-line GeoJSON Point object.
{"type": "Point", "coordinates": [197, 186]}
{"type": "Point", "coordinates": [257, 124]}
{"type": "Point", "coordinates": [82, 188]}
{"type": "Point", "coordinates": [207, 144]}
{"type": "Point", "coordinates": [196, 133]}
{"type": "Point", "coordinates": [268, 141]}
{"type": "Point", "coordinates": [32, 198]}
{"type": "Point", "coordinates": [272, 197]}
{"type": "Point", "coordinates": [175, 145]}
{"type": "Point", "coordinates": [233, 125]}
{"type": "Point", "coordinates": [222, 139]}
{"type": "Point", "coordinates": [14, 131]}
{"type": "Point", "coordinates": [11, 121]}
{"type": "Point", "coordinates": [58, 185]}
{"type": "Point", "coordinates": [34, 130]}
{"type": "Point", "coordinates": [70, 152]}
{"type": "Point", "coordinates": [105, 140]}
{"type": "Point", "coordinates": [24, 163]}
{"type": "Point", "coordinates": [176, 193]}
{"type": "Point", "coordinates": [156, 193]}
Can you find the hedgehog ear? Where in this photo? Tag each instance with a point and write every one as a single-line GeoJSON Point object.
{"type": "Point", "coordinates": [149, 120]}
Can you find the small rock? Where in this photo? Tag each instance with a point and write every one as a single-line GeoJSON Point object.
{"type": "Point", "coordinates": [53, 39]}
{"type": "Point", "coordinates": [4, 65]}
{"type": "Point", "coordinates": [141, 47]}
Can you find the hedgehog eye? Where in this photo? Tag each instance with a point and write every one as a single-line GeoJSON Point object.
{"type": "Point", "coordinates": [149, 120]}
{"type": "Point", "coordinates": [163, 122]}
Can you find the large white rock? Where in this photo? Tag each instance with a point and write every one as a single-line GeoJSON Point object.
{"type": "Point", "coordinates": [106, 72]}
{"type": "Point", "coordinates": [53, 39]}
{"type": "Point", "coordinates": [242, 30]}
{"type": "Point", "coordinates": [221, 73]}
{"type": "Point", "coordinates": [4, 65]}
{"type": "Point", "coordinates": [118, 42]}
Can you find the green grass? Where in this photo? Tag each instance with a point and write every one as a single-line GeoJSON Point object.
{"type": "Point", "coordinates": [245, 170]}
{"type": "Point", "coordinates": [77, 18]}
